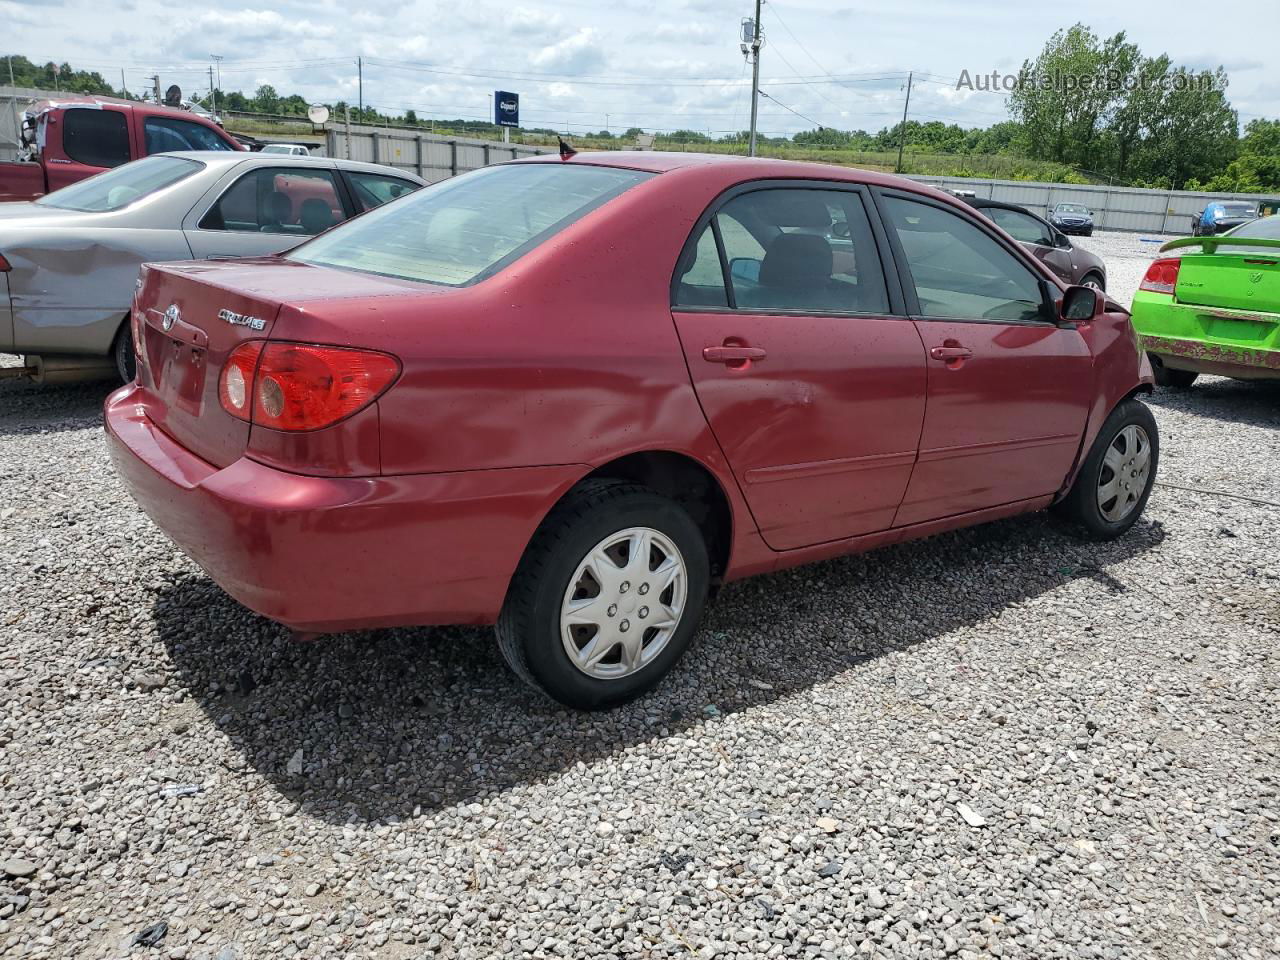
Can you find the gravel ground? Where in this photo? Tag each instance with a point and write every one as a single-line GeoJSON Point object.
{"type": "Point", "coordinates": [1000, 742]}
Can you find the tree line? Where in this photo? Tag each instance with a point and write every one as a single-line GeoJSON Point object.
{"type": "Point", "coordinates": [1093, 105]}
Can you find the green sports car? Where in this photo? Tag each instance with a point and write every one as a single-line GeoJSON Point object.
{"type": "Point", "coordinates": [1214, 307]}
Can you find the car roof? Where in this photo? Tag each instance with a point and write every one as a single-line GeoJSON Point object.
{"type": "Point", "coordinates": [221, 159]}
{"type": "Point", "coordinates": [983, 203]}
{"type": "Point", "coordinates": [662, 161]}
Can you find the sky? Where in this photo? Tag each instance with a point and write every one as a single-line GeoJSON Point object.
{"type": "Point", "coordinates": [655, 64]}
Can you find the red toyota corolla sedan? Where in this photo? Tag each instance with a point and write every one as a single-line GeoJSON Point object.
{"type": "Point", "coordinates": [571, 396]}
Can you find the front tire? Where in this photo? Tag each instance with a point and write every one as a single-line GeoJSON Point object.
{"type": "Point", "coordinates": [607, 596]}
{"type": "Point", "coordinates": [1095, 281]}
{"type": "Point", "coordinates": [1114, 482]}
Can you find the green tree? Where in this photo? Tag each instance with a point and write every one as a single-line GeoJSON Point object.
{"type": "Point", "coordinates": [266, 100]}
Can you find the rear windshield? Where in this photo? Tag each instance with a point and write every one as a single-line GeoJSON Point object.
{"type": "Point", "coordinates": [1237, 209]}
{"type": "Point", "coordinates": [1268, 228]}
{"type": "Point", "coordinates": [462, 230]}
{"type": "Point", "coordinates": [122, 186]}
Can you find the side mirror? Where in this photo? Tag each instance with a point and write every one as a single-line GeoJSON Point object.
{"type": "Point", "coordinates": [1080, 304]}
{"type": "Point", "coordinates": [745, 268]}
{"type": "Point", "coordinates": [1061, 241]}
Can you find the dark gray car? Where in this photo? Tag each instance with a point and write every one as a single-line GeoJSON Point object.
{"type": "Point", "coordinates": [73, 255]}
{"type": "Point", "coordinates": [1072, 218]}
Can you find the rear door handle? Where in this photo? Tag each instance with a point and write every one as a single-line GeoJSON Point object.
{"type": "Point", "coordinates": [951, 353]}
{"type": "Point", "coordinates": [731, 354]}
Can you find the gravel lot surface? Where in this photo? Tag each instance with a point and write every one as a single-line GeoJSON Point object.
{"type": "Point", "coordinates": [1000, 742]}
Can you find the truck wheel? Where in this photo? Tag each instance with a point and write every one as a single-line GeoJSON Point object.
{"type": "Point", "coordinates": [1115, 480]}
{"type": "Point", "coordinates": [126, 362]}
{"type": "Point", "coordinates": [607, 596]}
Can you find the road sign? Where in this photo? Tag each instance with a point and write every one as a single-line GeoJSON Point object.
{"type": "Point", "coordinates": [506, 108]}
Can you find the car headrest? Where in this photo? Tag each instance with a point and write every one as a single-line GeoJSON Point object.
{"type": "Point", "coordinates": [796, 260]}
{"type": "Point", "coordinates": [279, 207]}
{"type": "Point", "coordinates": [315, 215]}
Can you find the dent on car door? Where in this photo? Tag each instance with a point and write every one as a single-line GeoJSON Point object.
{"type": "Point", "coordinates": [266, 210]}
{"type": "Point", "coordinates": [1008, 389]}
{"type": "Point", "coordinates": [810, 382]}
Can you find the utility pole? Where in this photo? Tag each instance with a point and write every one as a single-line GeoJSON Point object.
{"type": "Point", "coordinates": [360, 84]}
{"type": "Point", "coordinates": [756, 40]}
{"type": "Point", "coordinates": [218, 60]}
{"type": "Point", "coordinates": [902, 134]}
{"type": "Point", "coordinates": [124, 86]}
{"type": "Point", "coordinates": [215, 113]}
{"type": "Point", "coordinates": [155, 87]}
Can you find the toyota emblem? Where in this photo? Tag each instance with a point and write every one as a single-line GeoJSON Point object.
{"type": "Point", "coordinates": [171, 316]}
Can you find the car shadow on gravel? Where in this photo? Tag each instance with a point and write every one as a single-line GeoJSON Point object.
{"type": "Point", "coordinates": [1253, 403]}
{"type": "Point", "coordinates": [27, 407]}
{"type": "Point", "coordinates": [398, 723]}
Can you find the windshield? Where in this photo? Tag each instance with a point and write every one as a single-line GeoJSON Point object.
{"type": "Point", "coordinates": [462, 230]}
{"type": "Point", "coordinates": [122, 186]}
{"type": "Point", "coordinates": [1072, 208]}
{"type": "Point", "coordinates": [1236, 209]}
{"type": "Point", "coordinates": [1267, 228]}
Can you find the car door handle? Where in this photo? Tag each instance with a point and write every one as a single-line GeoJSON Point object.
{"type": "Point", "coordinates": [732, 354]}
{"type": "Point", "coordinates": [951, 353]}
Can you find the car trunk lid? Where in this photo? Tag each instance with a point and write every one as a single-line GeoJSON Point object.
{"type": "Point", "coordinates": [191, 316]}
{"type": "Point", "coordinates": [1238, 280]}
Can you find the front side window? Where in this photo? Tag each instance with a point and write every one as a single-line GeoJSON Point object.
{"type": "Point", "coordinates": [959, 271]}
{"type": "Point", "coordinates": [373, 189]}
{"type": "Point", "coordinates": [790, 250]}
{"type": "Point", "coordinates": [278, 200]}
{"type": "Point", "coordinates": [1021, 226]}
{"type": "Point", "coordinates": [96, 138]}
{"type": "Point", "coordinates": [462, 230]}
{"type": "Point", "coordinates": [122, 186]}
{"type": "Point", "coordinates": [166, 134]}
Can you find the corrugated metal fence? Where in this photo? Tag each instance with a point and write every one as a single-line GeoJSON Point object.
{"type": "Point", "coordinates": [1114, 208]}
{"type": "Point", "coordinates": [431, 156]}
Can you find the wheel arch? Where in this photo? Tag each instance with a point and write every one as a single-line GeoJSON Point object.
{"type": "Point", "coordinates": [688, 482]}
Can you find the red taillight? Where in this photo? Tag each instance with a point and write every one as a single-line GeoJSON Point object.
{"type": "Point", "coordinates": [1162, 276]}
{"type": "Point", "coordinates": [300, 386]}
{"type": "Point", "coordinates": [4, 264]}
{"type": "Point", "coordinates": [235, 383]}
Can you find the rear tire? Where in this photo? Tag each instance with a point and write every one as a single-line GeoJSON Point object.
{"type": "Point", "coordinates": [583, 586]}
{"type": "Point", "coordinates": [122, 350]}
{"type": "Point", "coordinates": [1114, 482]}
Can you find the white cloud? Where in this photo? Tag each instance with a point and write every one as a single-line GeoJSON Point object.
{"type": "Point", "coordinates": [579, 52]}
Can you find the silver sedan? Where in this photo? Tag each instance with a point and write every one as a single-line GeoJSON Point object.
{"type": "Point", "coordinates": [68, 261]}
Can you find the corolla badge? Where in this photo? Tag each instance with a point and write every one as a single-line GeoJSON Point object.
{"type": "Point", "coordinates": [171, 316]}
{"type": "Point", "coordinates": [241, 319]}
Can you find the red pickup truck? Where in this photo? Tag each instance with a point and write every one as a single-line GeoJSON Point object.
{"type": "Point", "coordinates": [73, 137]}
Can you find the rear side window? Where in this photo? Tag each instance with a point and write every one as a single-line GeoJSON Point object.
{"type": "Point", "coordinates": [462, 230]}
{"type": "Point", "coordinates": [166, 134]}
{"type": "Point", "coordinates": [958, 270]}
{"type": "Point", "coordinates": [373, 190]}
{"type": "Point", "coordinates": [96, 138]}
{"type": "Point", "coordinates": [789, 250]}
{"type": "Point", "coordinates": [287, 200]}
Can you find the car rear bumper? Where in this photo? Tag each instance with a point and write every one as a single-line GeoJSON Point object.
{"type": "Point", "coordinates": [324, 554]}
{"type": "Point", "coordinates": [1227, 342]}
